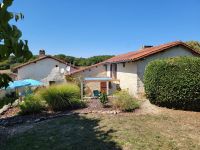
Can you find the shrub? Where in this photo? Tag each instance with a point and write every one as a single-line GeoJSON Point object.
{"type": "Point", "coordinates": [6, 101]}
{"type": "Point", "coordinates": [32, 104]}
{"type": "Point", "coordinates": [9, 98]}
{"type": "Point", "coordinates": [73, 80]}
{"type": "Point", "coordinates": [4, 65]}
{"type": "Point", "coordinates": [62, 97]}
{"type": "Point", "coordinates": [174, 83]}
{"type": "Point", "coordinates": [103, 98]}
{"type": "Point", "coordinates": [124, 101]}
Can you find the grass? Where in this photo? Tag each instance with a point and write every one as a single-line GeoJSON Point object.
{"type": "Point", "coordinates": [169, 130]}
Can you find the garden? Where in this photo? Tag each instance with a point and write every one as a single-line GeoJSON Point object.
{"type": "Point", "coordinates": [166, 129]}
{"type": "Point", "coordinates": [59, 101]}
{"type": "Point", "coordinates": [56, 117]}
{"type": "Point", "coordinates": [62, 99]}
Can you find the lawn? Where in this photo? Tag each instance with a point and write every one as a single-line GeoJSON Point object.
{"type": "Point", "coordinates": [167, 130]}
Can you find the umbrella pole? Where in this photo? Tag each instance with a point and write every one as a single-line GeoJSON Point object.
{"type": "Point", "coordinates": [20, 97]}
{"type": "Point", "coordinates": [16, 92]}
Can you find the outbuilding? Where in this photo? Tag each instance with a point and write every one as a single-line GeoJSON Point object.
{"type": "Point", "coordinates": [45, 68]}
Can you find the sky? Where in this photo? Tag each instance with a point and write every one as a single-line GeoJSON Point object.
{"type": "Point", "coordinates": [85, 28]}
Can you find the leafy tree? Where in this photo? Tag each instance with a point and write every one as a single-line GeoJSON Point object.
{"type": "Point", "coordinates": [69, 59]}
{"type": "Point", "coordinates": [194, 44]}
{"type": "Point", "coordinates": [83, 61]}
{"type": "Point", "coordinates": [4, 65]}
{"type": "Point", "coordinates": [10, 42]}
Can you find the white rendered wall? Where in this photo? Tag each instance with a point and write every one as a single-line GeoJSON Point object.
{"type": "Point", "coordinates": [39, 70]}
{"type": "Point", "coordinates": [128, 77]}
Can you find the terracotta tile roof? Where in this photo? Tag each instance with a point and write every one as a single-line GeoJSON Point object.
{"type": "Point", "coordinates": [133, 56]}
{"type": "Point", "coordinates": [142, 53]}
{"type": "Point", "coordinates": [41, 58]}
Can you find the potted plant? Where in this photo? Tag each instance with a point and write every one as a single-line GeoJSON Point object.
{"type": "Point", "coordinates": [103, 99]}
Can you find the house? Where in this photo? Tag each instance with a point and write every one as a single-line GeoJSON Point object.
{"type": "Point", "coordinates": [129, 68]}
{"type": "Point", "coordinates": [45, 68]}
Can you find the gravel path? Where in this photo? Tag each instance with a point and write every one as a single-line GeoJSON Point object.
{"type": "Point", "coordinates": [10, 112]}
{"type": "Point", "coordinates": [94, 105]}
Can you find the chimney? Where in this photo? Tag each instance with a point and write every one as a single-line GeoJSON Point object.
{"type": "Point", "coordinates": [146, 46]}
{"type": "Point", "coordinates": [41, 53]}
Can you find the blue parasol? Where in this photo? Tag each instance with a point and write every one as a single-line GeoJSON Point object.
{"type": "Point", "coordinates": [23, 83]}
{"type": "Point", "coordinates": [17, 84]}
{"type": "Point", "coordinates": [34, 82]}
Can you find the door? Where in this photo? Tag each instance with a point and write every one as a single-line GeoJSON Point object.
{"type": "Point", "coordinates": [113, 71]}
{"type": "Point", "coordinates": [103, 87]}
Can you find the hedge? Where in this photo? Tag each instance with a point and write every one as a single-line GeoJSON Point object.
{"type": "Point", "coordinates": [174, 83]}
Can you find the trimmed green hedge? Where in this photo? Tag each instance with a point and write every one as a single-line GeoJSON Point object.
{"type": "Point", "coordinates": [174, 83]}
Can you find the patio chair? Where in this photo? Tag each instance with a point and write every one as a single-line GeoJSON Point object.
{"type": "Point", "coordinates": [96, 93]}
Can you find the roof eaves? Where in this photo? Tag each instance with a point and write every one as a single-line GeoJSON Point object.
{"type": "Point", "coordinates": [41, 58]}
{"type": "Point", "coordinates": [177, 43]}
{"type": "Point", "coordinates": [89, 67]}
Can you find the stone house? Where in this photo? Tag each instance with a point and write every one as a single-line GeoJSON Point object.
{"type": "Point", "coordinates": [129, 68]}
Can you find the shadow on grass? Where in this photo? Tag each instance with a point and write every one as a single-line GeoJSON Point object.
{"type": "Point", "coordinates": [70, 132]}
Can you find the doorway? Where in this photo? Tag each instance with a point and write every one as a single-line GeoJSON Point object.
{"type": "Point", "coordinates": [103, 87]}
{"type": "Point", "coordinates": [113, 71]}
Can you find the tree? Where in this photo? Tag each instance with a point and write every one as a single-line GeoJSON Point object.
{"type": "Point", "coordinates": [69, 59]}
{"type": "Point", "coordinates": [10, 42]}
{"type": "Point", "coordinates": [194, 44]}
{"type": "Point", "coordinates": [83, 61]}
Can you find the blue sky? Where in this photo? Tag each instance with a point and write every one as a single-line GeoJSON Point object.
{"type": "Point", "coordinates": [85, 28]}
